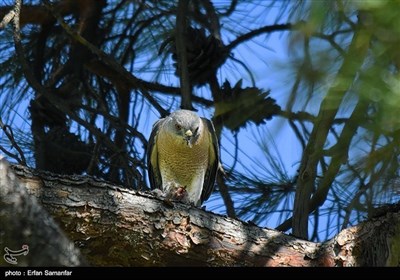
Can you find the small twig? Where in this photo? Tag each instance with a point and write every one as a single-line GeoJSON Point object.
{"type": "Point", "coordinates": [20, 51]}
{"type": "Point", "coordinates": [297, 133]}
{"type": "Point", "coordinates": [109, 61]}
{"type": "Point", "coordinates": [223, 190]}
{"type": "Point", "coordinates": [9, 154]}
{"type": "Point", "coordinates": [7, 18]}
{"type": "Point", "coordinates": [253, 81]}
{"type": "Point", "coordinates": [259, 31]}
{"type": "Point", "coordinates": [331, 40]}
{"type": "Point", "coordinates": [230, 9]}
{"type": "Point", "coordinates": [213, 18]}
{"type": "Point", "coordinates": [34, 83]}
{"type": "Point", "coordinates": [10, 135]}
{"type": "Point", "coordinates": [236, 155]}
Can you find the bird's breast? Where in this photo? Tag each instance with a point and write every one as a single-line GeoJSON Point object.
{"type": "Point", "coordinates": [179, 162]}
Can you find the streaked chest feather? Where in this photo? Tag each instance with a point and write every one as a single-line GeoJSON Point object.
{"type": "Point", "coordinates": [180, 163]}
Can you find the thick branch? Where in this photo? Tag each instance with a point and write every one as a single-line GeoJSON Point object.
{"type": "Point", "coordinates": [314, 149]}
{"type": "Point", "coordinates": [116, 226]}
{"type": "Point", "coordinates": [24, 222]}
{"type": "Point", "coordinates": [180, 39]}
{"type": "Point", "coordinates": [339, 154]}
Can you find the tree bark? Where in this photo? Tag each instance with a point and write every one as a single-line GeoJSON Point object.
{"type": "Point", "coordinates": [113, 226]}
{"type": "Point", "coordinates": [25, 224]}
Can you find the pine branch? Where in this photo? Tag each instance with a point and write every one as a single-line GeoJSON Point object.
{"type": "Point", "coordinates": [57, 101]}
{"type": "Point", "coordinates": [314, 149]}
{"type": "Point", "coordinates": [257, 32]}
{"type": "Point", "coordinates": [226, 197]}
{"type": "Point", "coordinates": [7, 18]}
{"type": "Point", "coordinates": [10, 135]}
{"type": "Point", "coordinates": [180, 42]}
{"type": "Point", "coordinates": [109, 61]}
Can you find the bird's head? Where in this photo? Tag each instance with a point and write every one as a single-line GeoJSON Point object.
{"type": "Point", "coordinates": [186, 125]}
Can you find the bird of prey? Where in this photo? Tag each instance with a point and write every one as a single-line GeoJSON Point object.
{"type": "Point", "coordinates": [183, 157]}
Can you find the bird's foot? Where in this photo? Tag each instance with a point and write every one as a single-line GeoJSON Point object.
{"type": "Point", "coordinates": [177, 192]}
{"type": "Point", "coordinates": [158, 193]}
{"type": "Point", "coordinates": [180, 193]}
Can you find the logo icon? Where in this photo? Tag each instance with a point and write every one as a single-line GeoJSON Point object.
{"type": "Point", "coordinates": [9, 256]}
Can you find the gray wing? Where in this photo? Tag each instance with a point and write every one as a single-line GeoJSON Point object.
{"type": "Point", "coordinates": [212, 169]}
{"type": "Point", "coordinates": [152, 157]}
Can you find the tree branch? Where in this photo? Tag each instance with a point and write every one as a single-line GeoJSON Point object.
{"type": "Point", "coordinates": [180, 42]}
{"type": "Point", "coordinates": [256, 32]}
{"type": "Point", "coordinates": [24, 222]}
{"type": "Point", "coordinates": [59, 103]}
{"type": "Point", "coordinates": [10, 135]}
{"type": "Point", "coordinates": [37, 14]}
{"type": "Point", "coordinates": [7, 18]}
{"type": "Point", "coordinates": [126, 228]}
{"type": "Point", "coordinates": [215, 27]}
{"type": "Point", "coordinates": [230, 9]}
{"type": "Point", "coordinates": [226, 197]}
{"type": "Point", "coordinates": [314, 149]}
{"type": "Point", "coordinates": [106, 59]}
{"type": "Point", "coordinates": [339, 153]}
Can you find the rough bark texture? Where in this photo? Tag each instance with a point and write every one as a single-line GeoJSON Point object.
{"type": "Point", "coordinates": [113, 226]}
{"type": "Point", "coordinates": [24, 222]}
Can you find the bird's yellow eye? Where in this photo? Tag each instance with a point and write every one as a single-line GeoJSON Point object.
{"type": "Point", "coordinates": [178, 126]}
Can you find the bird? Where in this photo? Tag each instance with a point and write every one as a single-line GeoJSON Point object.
{"type": "Point", "coordinates": [183, 157]}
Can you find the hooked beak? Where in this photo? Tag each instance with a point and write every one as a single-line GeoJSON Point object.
{"type": "Point", "coordinates": [188, 137]}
